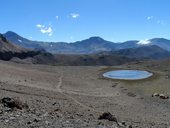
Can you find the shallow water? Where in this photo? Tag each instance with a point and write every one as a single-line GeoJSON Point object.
{"type": "Point", "coordinates": [127, 74]}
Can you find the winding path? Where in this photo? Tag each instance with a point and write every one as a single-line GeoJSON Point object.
{"type": "Point", "coordinates": [59, 89]}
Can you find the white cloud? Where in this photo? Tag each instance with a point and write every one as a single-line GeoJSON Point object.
{"type": "Point", "coordinates": [144, 42]}
{"type": "Point", "coordinates": [57, 17]}
{"type": "Point", "coordinates": [45, 29]}
{"type": "Point", "coordinates": [150, 17]}
{"type": "Point", "coordinates": [40, 26]}
{"type": "Point", "coordinates": [75, 15]}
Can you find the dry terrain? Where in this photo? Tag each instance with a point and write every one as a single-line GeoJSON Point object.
{"type": "Point", "coordinates": [75, 96]}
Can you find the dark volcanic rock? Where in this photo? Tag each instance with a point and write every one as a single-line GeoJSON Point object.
{"type": "Point", "coordinates": [107, 116]}
{"type": "Point", "coordinates": [13, 103]}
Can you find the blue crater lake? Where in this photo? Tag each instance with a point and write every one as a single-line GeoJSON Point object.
{"type": "Point", "coordinates": [128, 74]}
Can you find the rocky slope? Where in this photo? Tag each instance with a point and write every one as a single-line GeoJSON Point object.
{"type": "Point", "coordinates": [9, 50]}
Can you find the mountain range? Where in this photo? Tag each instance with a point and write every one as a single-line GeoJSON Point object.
{"type": "Point", "coordinates": [87, 46]}
{"type": "Point", "coordinates": [92, 51]}
{"type": "Point", "coordinates": [12, 52]}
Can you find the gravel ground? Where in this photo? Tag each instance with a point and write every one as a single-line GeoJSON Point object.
{"type": "Point", "coordinates": [75, 97]}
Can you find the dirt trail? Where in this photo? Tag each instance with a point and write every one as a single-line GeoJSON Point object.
{"type": "Point", "coordinates": [59, 89]}
{"type": "Point", "coordinates": [92, 95]}
{"type": "Point", "coordinates": [25, 93]}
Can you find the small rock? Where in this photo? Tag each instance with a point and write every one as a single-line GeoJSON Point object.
{"type": "Point", "coordinates": [1, 112]}
{"type": "Point", "coordinates": [131, 94]}
{"type": "Point", "coordinates": [54, 103]}
{"type": "Point", "coordinates": [155, 94]}
{"type": "Point", "coordinates": [129, 126]}
{"type": "Point", "coordinates": [7, 109]}
{"type": "Point", "coordinates": [162, 96]}
{"type": "Point", "coordinates": [6, 121]}
{"type": "Point", "coordinates": [90, 114]}
{"type": "Point", "coordinates": [123, 123]}
{"type": "Point", "coordinates": [17, 115]}
{"type": "Point", "coordinates": [107, 116]}
{"type": "Point", "coordinates": [12, 118]}
{"type": "Point", "coordinates": [56, 110]}
{"type": "Point", "coordinates": [29, 122]}
{"type": "Point", "coordinates": [100, 123]}
{"type": "Point", "coordinates": [36, 120]}
{"type": "Point", "coordinates": [114, 86]}
{"type": "Point", "coordinates": [47, 122]}
{"type": "Point", "coordinates": [167, 76]}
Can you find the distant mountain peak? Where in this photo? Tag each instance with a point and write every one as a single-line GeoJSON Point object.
{"type": "Point", "coordinates": [96, 38]}
{"type": "Point", "coordinates": [158, 40]}
{"type": "Point", "coordinates": [11, 33]}
{"type": "Point", "coordinates": [6, 46]}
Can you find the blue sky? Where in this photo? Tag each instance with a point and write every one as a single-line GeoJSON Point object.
{"type": "Point", "coordinates": [72, 20]}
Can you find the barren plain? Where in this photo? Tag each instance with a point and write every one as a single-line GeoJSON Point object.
{"type": "Point", "coordinates": [75, 96]}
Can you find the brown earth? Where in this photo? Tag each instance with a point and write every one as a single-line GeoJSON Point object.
{"type": "Point", "coordinates": [75, 96]}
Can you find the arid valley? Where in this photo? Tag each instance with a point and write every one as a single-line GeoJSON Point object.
{"type": "Point", "coordinates": [75, 96]}
{"type": "Point", "coordinates": [85, 64]}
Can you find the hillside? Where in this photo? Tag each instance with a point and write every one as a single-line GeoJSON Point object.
{"type": "Point", "coordinates": [9, 50]}
{"type": "Point", "coordinates": [149, 52]}
{"type": "Point", "coordinates": [76, 60]}
{"type": "Point", "coordinates": [161, 42]}
{"type": "Point", "coordinates": [6, 46]}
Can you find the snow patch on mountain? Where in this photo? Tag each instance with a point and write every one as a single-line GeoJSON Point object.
{"type": "Point", "coordinates": [144, 42]}
{"type": "Point", "coordinates": [20, 40]}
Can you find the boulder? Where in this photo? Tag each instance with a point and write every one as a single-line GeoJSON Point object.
{"type": "Point", "coordinates": [107, 116]}
{"type": "Point", "coordinates": [13, 103]}
{"type": "Point", "coordinates": [162, 96]}
{"type": "Point", "coordinates": [155, 94]}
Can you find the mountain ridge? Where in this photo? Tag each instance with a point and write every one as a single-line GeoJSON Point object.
{"type": "Point", "coordinates": [148, 52]}
{"type": "Point", "coordinates": [88, 46]}
{"type": "Point", "coordinates": [9, 50]}
{"type": "Point", "coordinates": [110, 54]}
